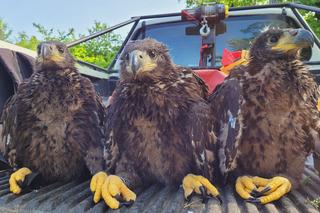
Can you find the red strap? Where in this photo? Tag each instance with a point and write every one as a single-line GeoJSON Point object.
{"type": "Point", "coordinates": [202, 49]}
{"type": "Point", "coordinates": [185, 13]}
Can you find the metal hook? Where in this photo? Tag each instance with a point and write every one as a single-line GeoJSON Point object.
{"type": "Point", "coordinates": [205, 29]}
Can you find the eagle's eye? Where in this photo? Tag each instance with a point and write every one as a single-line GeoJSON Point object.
{"type": "Point", "coordinates": [152, 54]}
{"type": "Point", "coordinates": [60, 49]}
{"type": "Point", "coordinates": [273, 39]}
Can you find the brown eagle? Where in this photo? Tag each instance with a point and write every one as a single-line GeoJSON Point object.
{"type": "Point", "coordinates": [53, 125]}
{"type": "Point", "coordinates": [158, 127]}
{"type": "Point", "coordinates": [266, 116]}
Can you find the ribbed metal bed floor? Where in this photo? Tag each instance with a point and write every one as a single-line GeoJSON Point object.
{"type": "Point", "coordinates": [76, 197]}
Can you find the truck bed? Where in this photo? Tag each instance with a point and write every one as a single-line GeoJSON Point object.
{"type": "Point", "coordinates": [76, 197]}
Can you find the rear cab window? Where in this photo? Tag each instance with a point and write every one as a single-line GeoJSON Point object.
{"type": "Point", "coordinates": [237, 34]}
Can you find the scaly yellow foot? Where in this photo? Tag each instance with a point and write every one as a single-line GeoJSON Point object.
{"type": "Point", "coordinates": [110, 187]}
{"type": "Point", "coordinates": [247, 186]}
{"type": "Point", "coordinates": [262, 190]}
{"type": "Point", "coordinates": [200, 185]}
{"type": "Point", "coordinates": [17, 178]}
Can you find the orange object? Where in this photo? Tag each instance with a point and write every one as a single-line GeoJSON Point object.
{"type": "Point", "coordinates": [232, 59]}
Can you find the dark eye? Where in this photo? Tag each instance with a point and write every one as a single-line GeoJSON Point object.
{"type": "Point", "coordinates": [273, 39]}
{"type": "Point", "coordinates": [60, 49]}
{"type": "Point", "coordinates": [152, 54]}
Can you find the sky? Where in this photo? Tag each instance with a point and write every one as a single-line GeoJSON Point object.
{"type": "Point", "coordinates": [78, 14]}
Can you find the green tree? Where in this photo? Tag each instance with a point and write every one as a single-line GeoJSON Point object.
{"type": "Point", "coordinates": [30, 42]}
{"type": "Point", "coordinates": [5, 33]}
{"type": "Point", "coordinates": [99, 51]}
{"type": "Point", "coordinates": [312, 19]}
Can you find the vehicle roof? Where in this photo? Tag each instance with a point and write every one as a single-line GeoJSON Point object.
{"type": "Point", "coordinates": [16, 48]}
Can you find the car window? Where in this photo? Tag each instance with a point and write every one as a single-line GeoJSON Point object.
{"type": "Point", "coordinates": [239, 32]}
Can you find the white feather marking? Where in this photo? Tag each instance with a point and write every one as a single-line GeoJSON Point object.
{"type": "Point", "coordinates": [202, 156]}
{"type": "Point", "coordinates": [223, 138]}
{"type": "Point", "coordinates": [8, 139]}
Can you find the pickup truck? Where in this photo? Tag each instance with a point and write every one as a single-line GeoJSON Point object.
{"type": "Point", "coordinates": [185, 44]}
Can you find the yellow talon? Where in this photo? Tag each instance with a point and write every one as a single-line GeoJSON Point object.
{"type": "Point", "coordinates": [96, 185]}
{"type": "Point", "coordinates": [16, 178]}
{"type": "Point", "coordinates": [195, 183]}
{"type": "Point", "coordinates": [259, 181]}
{"type": "Point", "coordinates": [109, 188]}
{"type": "Point", "coordinates": [278, 187]}
{"type": "Point", "coordinates": [248, 183]}
{"type": "Point", "coordinates": [262, 190]}
{"type": "Point", "coordinates": [241, 188]}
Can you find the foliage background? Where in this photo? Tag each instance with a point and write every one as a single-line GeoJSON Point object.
{"type": "Point", "coordinates": [103, 49]}
{"type": "Point", "coordinates": [99, 51]}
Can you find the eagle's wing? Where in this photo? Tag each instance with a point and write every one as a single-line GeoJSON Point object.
{"type": "Point", "coordinates": [202, 84]}
{"type": "Point", "coordinates": [111, 153]}
{"type": "Point", "coordinates": [315, 100]}
{"type": "Point", "coordinates": [9, 121]}
{"type": "Point", "coordinates": [226, 103]}
{"type": "Point", "coordinates": [86, 129]}
{"type": "Point", "coordinates": [203, 139]}
{"type": "Point", "coordinates": [17, 104]}
{"type": "Point", "coordinates": [186, 72]}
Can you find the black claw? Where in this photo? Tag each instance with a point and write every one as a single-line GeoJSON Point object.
{"type": "Point", "coordinates": [253, 200]}
{"type": "Point", "coordinates": [219, 198]}
{"type": "Point", "coordinates": [127, 203]}
{"type": "Point", "coordinates": [189, 197]}
{"type": "Point", "coordinates": [255, 193]}
{"type": "Point", "coordinates": [265, 190]}
{"type": "Point", "coordinates": [30, 182]}
{"type": "Point", "coordinates": [20, 184]}
{"type": "Point", "coordinates": [203, 194]}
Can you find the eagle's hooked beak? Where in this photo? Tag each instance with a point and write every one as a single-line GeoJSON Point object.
{"type": "Point", "coordinates": [45, 50]}
{"type": "Point", "coordinates": [50, 52]}
{"type": "Point", "coordinates": [294, 39]}
{"type": "Point", "coordinates": [140, 62]}
{"type": "Point", "coordinates": [135, 60]}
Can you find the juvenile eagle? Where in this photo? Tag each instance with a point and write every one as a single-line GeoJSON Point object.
{"type": "Point", "coordinates": [267, 118]}
{"type": "Point", "coordinates": [53, 125]}
{"type": "Point", "coordinates": [158, 126]}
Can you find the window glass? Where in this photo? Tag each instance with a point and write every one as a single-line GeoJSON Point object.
{"type": "Point", "coordinates": [239, 32]}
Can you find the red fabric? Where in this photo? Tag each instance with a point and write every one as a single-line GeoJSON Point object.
{"type": "Point", "coordinates": [187, 15]}
{"type": "Point", "coordinates": [229, 57]}
{"type": "Point", "coordinates": [211, 77]}
{"type": "Point", "coordinates": [202, 49]}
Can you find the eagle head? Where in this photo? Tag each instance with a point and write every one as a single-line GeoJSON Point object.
{"type": "Point", "coordinates": [280, 43]}
{"type": "Point", "coordinates": [146, 57]}
{"type": "Point", "coordinates": [52, 54]}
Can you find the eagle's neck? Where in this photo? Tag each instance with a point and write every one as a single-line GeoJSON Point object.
{"type": "Point", "coordinates": [280, 76]}
{"type": "Point", "coordinates": [55, 90]}
{"type": "Point", "coordinates": [58, 78]}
